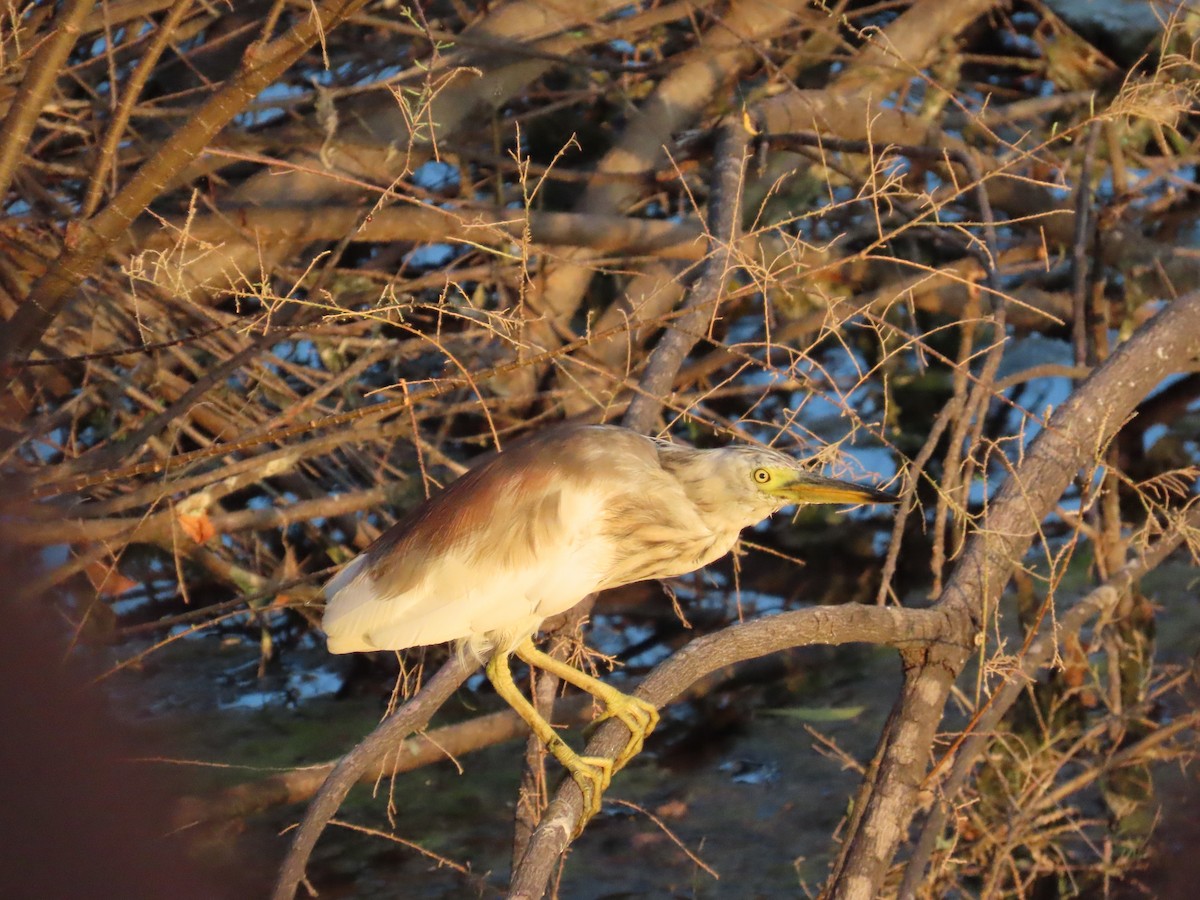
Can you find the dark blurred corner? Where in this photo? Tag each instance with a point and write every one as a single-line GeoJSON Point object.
{"type": "Point", "coordinates": [77, 818]}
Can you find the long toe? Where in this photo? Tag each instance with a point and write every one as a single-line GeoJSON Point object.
{"type": "Point", "coordinates": [593, 775]}
{"type": "Point", "coordinates": [635, 714]}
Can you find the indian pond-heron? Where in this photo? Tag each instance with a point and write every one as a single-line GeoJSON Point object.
{"type": "Point", "coordinates": [530, 532]}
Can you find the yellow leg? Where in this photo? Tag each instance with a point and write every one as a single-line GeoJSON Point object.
{"type": "Point", "coordinates": [591, 773]}
{"type": "Point", "coordinates": [637, 715]}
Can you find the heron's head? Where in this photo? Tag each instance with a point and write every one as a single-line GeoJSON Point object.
{"type": "Point", "coordinates": [747, 484]}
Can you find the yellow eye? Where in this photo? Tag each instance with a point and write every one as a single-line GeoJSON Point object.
{"type": "Point", "coordinates": [762, 476]}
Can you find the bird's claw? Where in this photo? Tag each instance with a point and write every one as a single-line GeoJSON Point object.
{"type": "Point", "coordinates": [593, 774]}
{"type": "Point", "coordinates": [635, 714]}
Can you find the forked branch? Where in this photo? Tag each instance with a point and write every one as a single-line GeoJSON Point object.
{"type": "Point", "coordinates": [936, 643]}
{"type": "Point", "coordinates": [1073, 436]}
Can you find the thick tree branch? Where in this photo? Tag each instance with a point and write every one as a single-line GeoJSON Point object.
{"type": "Point", "coordinates": [852, 623]}
{"type": "Point", "coordinates": [1039, 652]}
{"type": "Point", "coordinates": [1075, 435]}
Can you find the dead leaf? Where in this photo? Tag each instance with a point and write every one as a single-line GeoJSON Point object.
{"type": "Point", "coordinates": [107, 579]}
{"type": "Point", "coordinates": [198, 527]}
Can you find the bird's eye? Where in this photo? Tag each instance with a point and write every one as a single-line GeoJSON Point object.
{"type": "Point", "coordinates": [762, 476]}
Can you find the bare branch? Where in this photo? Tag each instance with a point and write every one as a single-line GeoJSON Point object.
{"type": "Point", "coordinates": [823, 625]}
{"type": "Point", "coordinates": [95, 237]}
{"type": "Point", "coordinates": [414, 715]}
{"type": "Point", "coordinates": [1073, 435]}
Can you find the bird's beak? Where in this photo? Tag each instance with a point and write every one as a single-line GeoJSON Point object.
{"type": "Point", "coordinates": [804, 487]}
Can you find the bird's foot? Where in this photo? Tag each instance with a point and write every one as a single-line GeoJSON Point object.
{"type": "Point", "coordinates": [635, 714]}
{"type": "Point", "coordinates": [593, 775]}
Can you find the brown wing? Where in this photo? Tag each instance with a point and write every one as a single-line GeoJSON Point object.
{"type": "Point", "coordinates": [505, 506]}
{"type": "Point", "coordinates": [510, 542]}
